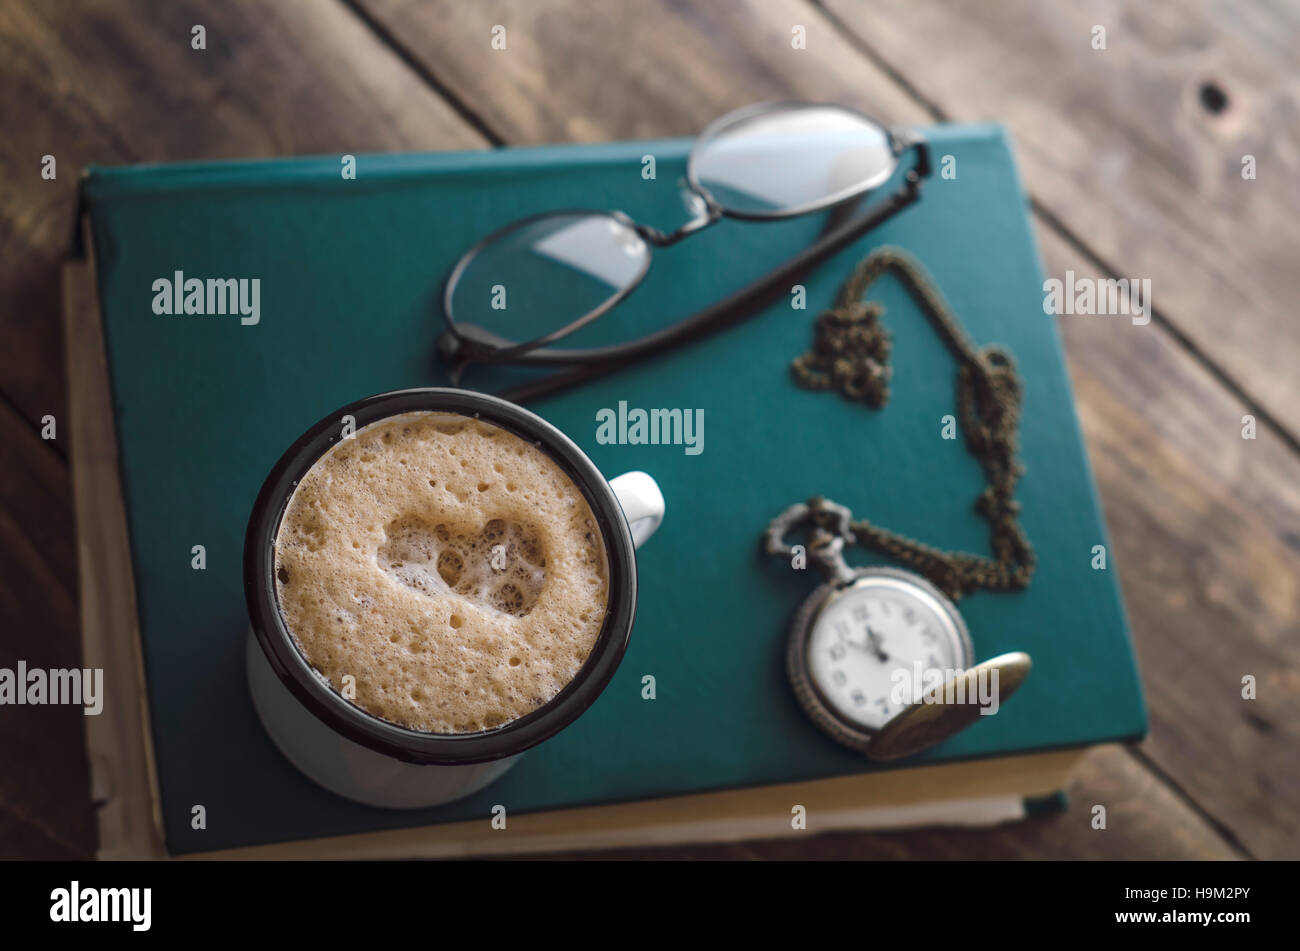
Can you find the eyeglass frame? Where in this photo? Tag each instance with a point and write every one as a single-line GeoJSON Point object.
{"type": "Point", "coordinates": [455, 345]}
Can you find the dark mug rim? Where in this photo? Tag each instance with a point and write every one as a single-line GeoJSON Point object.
{"type": "Point", "coordinates": [350, 720]}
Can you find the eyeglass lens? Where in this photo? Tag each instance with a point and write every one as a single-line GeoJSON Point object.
{"type": "Point", "coordinates": [547, 272]}
{"type": "Point", "coordinates": [784, 160]}
{"type": "Point", "coordinates": [544, 273]}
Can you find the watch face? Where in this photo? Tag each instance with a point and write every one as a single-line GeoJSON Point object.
{"type": "Point", "coordinates": [877, 644]}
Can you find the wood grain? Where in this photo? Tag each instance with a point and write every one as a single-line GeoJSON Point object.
{"type": "Point", "coordinates": [44, 779]}
{"type": "Point", "coordinates": [1125, 147]}
{"type": "Point", "coordinates": [1203, 523]}
{"type": "Point", "coordinates": [1204, 530]}
{"type": "Point", "coordinates": [111, 82]}
{"type": "Point", "coordinates": [23, 838]}
{"type": "Point", "coordinates": [105, 83]}
{"type": "Point", "coordinates": [572, 72]}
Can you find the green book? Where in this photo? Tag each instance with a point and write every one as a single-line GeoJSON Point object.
{"type": "Point", "coordinates": [350, 274]}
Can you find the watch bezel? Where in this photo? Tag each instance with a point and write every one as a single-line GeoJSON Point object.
{"type": "Point", "coordinates": [809, 694]}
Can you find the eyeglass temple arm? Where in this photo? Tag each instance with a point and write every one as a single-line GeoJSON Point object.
{"type": "Point", "coordinates": [906, 139]}
{"type": "Point", "coordinates": [593, 363]}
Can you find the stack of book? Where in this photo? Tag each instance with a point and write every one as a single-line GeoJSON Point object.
{"type": "Point", "coordinates": [177, 417]}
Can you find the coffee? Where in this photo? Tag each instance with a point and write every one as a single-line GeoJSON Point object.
{"type": "Point", "coordinates": [446, 566]}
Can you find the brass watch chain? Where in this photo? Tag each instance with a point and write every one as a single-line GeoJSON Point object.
{"type": "Point", "coordinates": [851, 353]}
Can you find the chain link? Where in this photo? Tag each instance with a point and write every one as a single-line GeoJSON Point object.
{"type": "Point", "coordinates": [851, 353]}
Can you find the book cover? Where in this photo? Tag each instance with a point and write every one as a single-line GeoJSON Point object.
{"type": "Point", "coordinates": [349, 279]}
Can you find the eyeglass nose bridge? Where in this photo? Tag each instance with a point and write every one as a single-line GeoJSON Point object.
{"type": "Point", "coordinates": [706, 213]}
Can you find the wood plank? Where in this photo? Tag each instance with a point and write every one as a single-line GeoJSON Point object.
{"type": "Point", "coordinates": [1125, 148]}
{"type": "Point", "coordinates": [1205, 534]}
{"type": "Point", "coordinates": [1144, 820]}
{"type": "Point", "coordinates": [104, 82]}
{"type": "Point", "coordinates": [21, 838]}
{"type": "Point", "coordinates": [572, 72]}
{"type": "Point", "coordinates": [1165, 434]}
{"type": "Point", "coordinates": [741, 48]}
{"type": "Point", "coordinates": [42, 746]}
{"type": "Point", "coordinates": [107, 82]}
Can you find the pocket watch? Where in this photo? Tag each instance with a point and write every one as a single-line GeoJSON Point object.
{"type": "Point", "coordinates": [879, 658]}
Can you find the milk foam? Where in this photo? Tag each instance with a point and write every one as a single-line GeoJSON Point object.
{"type": "Point", "coordinates": [448, 566]}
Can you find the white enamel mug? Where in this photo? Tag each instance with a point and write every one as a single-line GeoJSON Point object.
{"type": "Point", "coordinates": [368, 759]}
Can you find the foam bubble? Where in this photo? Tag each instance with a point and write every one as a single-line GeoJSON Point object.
{"type": "Point", "coordinates": [500, 567]}
{"type": "Point", "coordinates": [450, 567]}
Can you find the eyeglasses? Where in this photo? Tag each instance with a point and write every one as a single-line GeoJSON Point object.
{"type": "Point", "coordinates": [536, 281]}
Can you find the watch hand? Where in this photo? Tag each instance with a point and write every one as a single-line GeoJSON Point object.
{"type": "Point", "coordinates": [876, 643]}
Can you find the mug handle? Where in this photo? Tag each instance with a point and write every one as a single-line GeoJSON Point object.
{"type": "Point", "coordinates": [642, 502]}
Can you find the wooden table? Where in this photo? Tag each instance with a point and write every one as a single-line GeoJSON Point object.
{"type": "Point", "coordinates": [1133, 156]}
